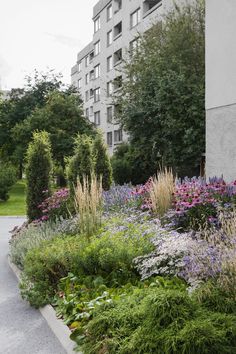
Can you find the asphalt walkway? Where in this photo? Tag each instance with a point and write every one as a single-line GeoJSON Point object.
{"type": "Point", "coordinates": [22, 329]}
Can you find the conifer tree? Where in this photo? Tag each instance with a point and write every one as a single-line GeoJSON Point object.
{"type": "Point", "coordinates": [38, 173]}
{"type": "Point", "coordinates": [102, 163]}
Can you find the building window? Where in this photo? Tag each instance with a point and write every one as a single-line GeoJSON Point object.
{"type": "Point", "coordinates": [97, 71]}
{"type": "Point", "coordinates": [109, 138]}
{"type": "Point", "coordinates": [91, 56]}
{"type": "Point", "coordinates": [86, 79]}
{"type": "Point", "coordinates": [97, 48]}
{"type": "Point", "coordinates": [86, 61]}
{"type": "Point", "coordinates": [91, 75]}
{"type": "Point", "coordinates": [87, 96]}
{"type": "Point", "coordinates": [109, 114]}
{"type": "Point", "coordinates": [117, 83]}
{"type": "Point", "coordinates": [149, 4]}
{"type": "Point", "coordinates": [87, 113]}
{"type": "Point", "coordinates": [97, 118]}
{"type": "Point", "coordinates": [91, 93]}
{"type": "Point", "coordinates": [109, 12]}
{"type": "Point", "coordinates": [91, 111]}
{"type": "Point", "coordinates": [118, 136]}
{"type": "Point", "coordinates": [118, 29]}
{"type": "Point", "coordinates": [117, 5]}
{"type": "Point", "coordinates": [79, 66]}
{"type": "Point", "coordinates": [109, 38]}
{"type": "Point", "coordinates": [117, 56]}
{"type": "Point", "coordinates": [97, 24]}
{"type": "Point", "coordinates": [109, 88]}
{"type": "Point", "coordinates": [109, 63]}
{"type": "Point", "coordinates": [96, 94]}
{"type": "Point", "coordinates": [79, 83]}
{"type": "Point", "coordinates": [135, 18]}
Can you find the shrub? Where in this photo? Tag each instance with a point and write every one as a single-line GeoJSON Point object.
{"type": "Point", "coordinates": [81, 164]}
{"type": "Point", "coordinates": [88, 198]}
{"type": "Point", "coordinates": [38, 173]}
{"type": "Point", "coordinates": [7, 179]}
{"type": "Point", "coordinates": [102, 164]}
{"type": "Point", "coordinates": [121, 165]}
{"type": "Point", "coordinates": [31, 236]}
{"type": "Point", "coordinates": [44, 266]}
{"type": "Point", "coordinates": [158, 320]}
{"type": "Point", "coordinates": [109, 255]}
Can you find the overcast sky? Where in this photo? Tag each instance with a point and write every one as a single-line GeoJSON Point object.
{"type": "Point", "coordinates": [41, 34]}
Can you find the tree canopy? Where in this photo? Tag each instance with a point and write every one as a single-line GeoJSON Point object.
{"type": "Point", "coordinates": [162, 100]}
{"type": "Point", "coordinates": [44, 104]}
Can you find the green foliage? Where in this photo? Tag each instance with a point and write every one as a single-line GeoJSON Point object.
{"type": "Point", "coordinates": [102, 164]}
{"type": "Point", "coordinates": [157, 320]}
{"type": "Point", "coordinates": [31, 236]}
{"type": "Point", "coordinates": [122, 165]}
{"type": "Point", "coordinates": [62, 117]}
{"type": "Point", "coordinates": [7, 179]}
{"type": "Point", "coordinates": [81, 163]}
{"type": "Point", "coordinates": [109, 255]}
{"type": "Point", "coordinates": [163, 100]}
{"type": "Point", "coordinates": [38, 173]}
{"type": "Point", "coordinates": [214, 297]}
{"type": "Point", "coordinates": [14, 111]}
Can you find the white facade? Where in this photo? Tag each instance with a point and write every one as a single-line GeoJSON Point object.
{"type": "Point", "coordinates": [117, 24]}
{"type": "Point", "coordinates": [221, 89]}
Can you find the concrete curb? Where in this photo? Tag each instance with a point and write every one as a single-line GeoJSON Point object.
{"type": "Point", "coordinates": [58, 327]}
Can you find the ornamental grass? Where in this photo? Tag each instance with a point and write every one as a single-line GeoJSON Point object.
{"type": "Point", "coordinates": [161, 191]}
{"type": "Point", "coordinates": [88, 203]}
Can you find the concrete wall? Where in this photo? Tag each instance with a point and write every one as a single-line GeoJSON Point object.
{"type": "Point", "coordinates": [221, 88]}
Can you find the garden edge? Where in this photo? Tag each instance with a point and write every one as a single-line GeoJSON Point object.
{"type": "Point", "coordinates": [60, 330]}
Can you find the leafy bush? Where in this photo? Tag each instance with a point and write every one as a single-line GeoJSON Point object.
{"type": "Point", "coordinates": [102, 163]}
{"type": "Point", "coordinates": [38, 173]}
{"type": "Point", "coordinates": [7, 179]}
{"type": "Point", "coordinates": [158, 320]}
{"type": "Point", "coordinates": [31, 236]}
{"type": "Point", "coordinates": [109, 255]}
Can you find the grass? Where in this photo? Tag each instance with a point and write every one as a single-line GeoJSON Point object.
{"type": "Point", "coordinates": [15, 205]}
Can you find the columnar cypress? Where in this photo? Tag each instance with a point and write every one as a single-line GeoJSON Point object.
{"type": "Point", "coordinates": [81, 163]}
{"type": "Point", "coordinates": [102, 163]}
{"type": "Point", "coordinates": [38, 173]}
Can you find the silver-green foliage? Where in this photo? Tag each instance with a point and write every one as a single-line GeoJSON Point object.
{"type": "Point", "coordinates": [32, 235]}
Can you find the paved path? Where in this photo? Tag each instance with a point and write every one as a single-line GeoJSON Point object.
{"type": "Point", "coordinates": [22, 329]}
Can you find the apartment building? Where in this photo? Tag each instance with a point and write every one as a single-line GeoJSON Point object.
{"type": "Point", "coordinates": [97, 73]}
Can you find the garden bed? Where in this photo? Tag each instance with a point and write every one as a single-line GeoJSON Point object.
{"type": "Point", "coordinates": [148, 279]}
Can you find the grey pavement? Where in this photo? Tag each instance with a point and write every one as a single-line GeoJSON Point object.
{"type": "Point", "coordinates": [22, 329]}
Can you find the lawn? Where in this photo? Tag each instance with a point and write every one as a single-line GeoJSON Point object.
{"type": "Point", "coordinates": [15, 205]}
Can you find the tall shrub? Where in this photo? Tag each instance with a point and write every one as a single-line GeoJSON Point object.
{"type": "Point", "coordinates": [102, 163]}
{"type": "Point", "coordinates": [81, 163]}
{"type": "Point", "coordinates": [38, 173]}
